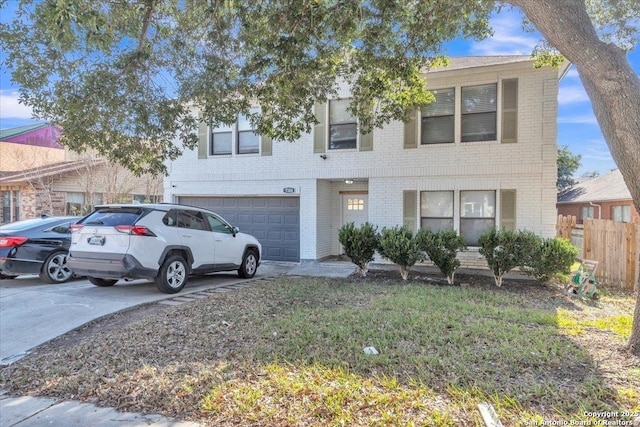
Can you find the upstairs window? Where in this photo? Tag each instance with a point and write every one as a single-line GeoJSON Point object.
{"type": "Point", "coordinates": [479, 113]}
{"type": "Point", "coordinates": [240, 135]}
{"type": "Point", "coordinates": [438, 118]}
{"type": "Point", "coordinates": [248, 140]}
{"type": "Point", "coordinates": [221, 140]}
{"type": "Point", "coordinates": [343, 126]}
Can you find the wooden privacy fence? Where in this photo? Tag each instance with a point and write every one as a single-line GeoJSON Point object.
{"type": "Point", "coordinates": [565, 225]}
{"type": "Point", "coordinates": [616, 247]}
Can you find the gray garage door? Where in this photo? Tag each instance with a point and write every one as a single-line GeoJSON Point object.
{"type": "Point", "coordinates": [274, 221]}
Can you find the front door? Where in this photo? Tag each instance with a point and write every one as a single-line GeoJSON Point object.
{"type": "Point", "coordinates": [355, 208]}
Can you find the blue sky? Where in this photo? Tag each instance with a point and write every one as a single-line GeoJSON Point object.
{"type": "Point", "coordinates": [577, 126]}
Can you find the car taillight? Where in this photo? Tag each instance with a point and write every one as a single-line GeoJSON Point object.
{"type": "Point", "coordinates": [75, 227]}
{"type": "Point", "coordinates": [7, 241]}
{"type": "Point", "coordinates": [137, 230]}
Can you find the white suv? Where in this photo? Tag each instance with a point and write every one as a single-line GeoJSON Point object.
{"type": "Point", "coordinates": [163, 242]}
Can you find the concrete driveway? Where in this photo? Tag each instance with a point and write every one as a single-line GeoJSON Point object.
{"type": "Point", "coordinates": [32, 312]}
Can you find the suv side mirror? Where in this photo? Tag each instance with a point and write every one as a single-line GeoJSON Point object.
{"type": "Point", "coordinates": [234, 231]}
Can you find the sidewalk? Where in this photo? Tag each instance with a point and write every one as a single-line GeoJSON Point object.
{"type": "Point", "coordinates": [27, 411]}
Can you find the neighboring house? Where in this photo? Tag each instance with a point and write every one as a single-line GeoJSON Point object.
{"type": "Point", "coordinates": [602, 197]}
{"type": "Point", "coordinates": [483, 155]}
{"type": "Point", "coordinates": [26, 147]}
{"type": "Point", "coordinates": [38, 176]}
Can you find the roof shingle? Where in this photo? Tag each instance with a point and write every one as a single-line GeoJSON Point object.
{"type": "Point", "coordinates": [610, 186]}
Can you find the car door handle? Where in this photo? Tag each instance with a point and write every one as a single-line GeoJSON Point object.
{"type": "Point", "coordinates": [218, 240]}
{"type": "Point", "coordinates": [186, 235]}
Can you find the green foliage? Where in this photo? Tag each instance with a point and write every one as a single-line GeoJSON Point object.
{"type": "Point", "coordinates": [121, 77]}
{"type": "Point", "coordinates": [442, 248]}
{"type": "Point", "coordinates": [568, 164]}
{"type": "Point", "coordinates": [399, 246]}
{"type": "Point", "coordinates": [550, 258]}
{"type": "Point", "coordinates": [505, 250]}
{"type": "Point", "coordinates": [359, 244]}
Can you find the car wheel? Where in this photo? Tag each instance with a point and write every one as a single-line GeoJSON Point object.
{"type": "Point", "coordinates": [55, 268]}
{"type": "Point", "coordinates": [102, 282]}
{"type": "Point", "coordinates": [172, 275]}
{"type": "Point", "coordinates": [249, 265]}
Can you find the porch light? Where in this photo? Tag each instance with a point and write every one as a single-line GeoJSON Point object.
{"type": "Point", "coordinates": [348, 181]}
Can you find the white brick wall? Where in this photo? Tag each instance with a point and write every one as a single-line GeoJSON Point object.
{"type": "Point", "coordinates": [528, 166]}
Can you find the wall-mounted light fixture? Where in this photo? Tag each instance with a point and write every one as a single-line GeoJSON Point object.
{"type": "Point", "coordinates": [323, 156]}
{"type": "Point", "coordinates": [348, 181]}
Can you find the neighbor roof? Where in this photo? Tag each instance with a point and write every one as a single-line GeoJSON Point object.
{"type": "Point", "coordinates": [45, 171]}
{"type": "Point", "coordinates": [13, 132]}
{"type": "Point", "coordinates": [600, 189]}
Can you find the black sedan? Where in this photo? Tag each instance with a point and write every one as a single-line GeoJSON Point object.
{"type": "Point", "coordinates": [36, 246]}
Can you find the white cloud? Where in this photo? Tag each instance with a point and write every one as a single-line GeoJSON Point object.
{"type": "Point", "coordinates": [10, 107]}
{"type": "Point", "coordinates": [572, 94]}
{"type": "Point", "coordinates": [572, 74]}
{"type": "Point", "coordinates": [508, 38]}
{"type": "Point", "coordinates": [584, 119]}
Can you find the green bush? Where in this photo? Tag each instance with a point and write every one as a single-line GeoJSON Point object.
{"type": "Point", "coordinates": [442, 248]}
{"type": "Point", "coordinates": [551, 258]}
{"type": "Point", "coordinates": [359, 244]}
{"type": "Point", "coordinates": [399, 246]}
{"type": "Point", "coordinates": [505, 250]}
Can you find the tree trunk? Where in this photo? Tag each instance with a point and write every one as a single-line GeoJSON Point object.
{"type": "Point", "coordinates": [610, 82]}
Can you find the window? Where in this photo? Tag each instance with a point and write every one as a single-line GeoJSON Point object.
{"type": "Point", "coordinates": [10, 202]}
{"type": "Point", "coordinates": [221, 140]}
{"type": "Point", "coordinates": [586, 212]}
{"type": "Point", "coordinates": [436, 210]}
{"type": "Point", "coordinates": [75, 203]}
{"type": "Point", "coordinates": [479, 113]}
{"type": "Point", "coordinates": [241, 134]}
{"type": "Point", "coordinates": [217, 225]}
{"type": "Point", "coordinates": [438, 118]}
{"type": "Point", "coordinates": [113, 216]}
{"type": "Point", "coordinates": [477, 214]}
{"type": "Point", "coordinates": [343, 126]}
{"type": "Point", "coordinates": [355, 204]}
{"type": "Point", "coordinates": [192, 220]}
{"type": "Point", "coordinates": [248, 140]}
{"type": "Point", "coordinates": [621, 213]}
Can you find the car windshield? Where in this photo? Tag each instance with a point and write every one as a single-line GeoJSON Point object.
{"type": "Point", "coordinates": [113, 216]}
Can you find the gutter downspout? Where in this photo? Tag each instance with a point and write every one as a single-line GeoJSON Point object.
{"type": "Point", "coordinates": [599, 209]}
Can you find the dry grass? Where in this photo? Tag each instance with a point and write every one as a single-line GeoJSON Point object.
{"type": "Point", "coordinates": [289, 353]}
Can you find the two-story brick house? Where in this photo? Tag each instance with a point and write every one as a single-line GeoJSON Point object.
{"type": "Point", "coordinates": [484, 154]}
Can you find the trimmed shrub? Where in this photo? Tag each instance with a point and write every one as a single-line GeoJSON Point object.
{"type": "Point", "coordinates": [442, 248]}
{"type": "Point", "coordinates": [399, 246]}
{"type": "Point", "coordinates": [551, 258]}
{"type": "Point", "coordinates": [359, 244]}
{"type": "Point", "coordinates": [505, 250]}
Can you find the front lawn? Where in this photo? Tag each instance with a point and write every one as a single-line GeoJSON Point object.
{"type": "Point", "coordinates": [290, 353]}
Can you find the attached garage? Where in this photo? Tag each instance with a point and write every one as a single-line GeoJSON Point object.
{"type": "Point", "coordinates": [274, 221]}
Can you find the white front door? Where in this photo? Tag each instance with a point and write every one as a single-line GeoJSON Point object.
{"type": "Point", "coordinates": [355, 208]}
